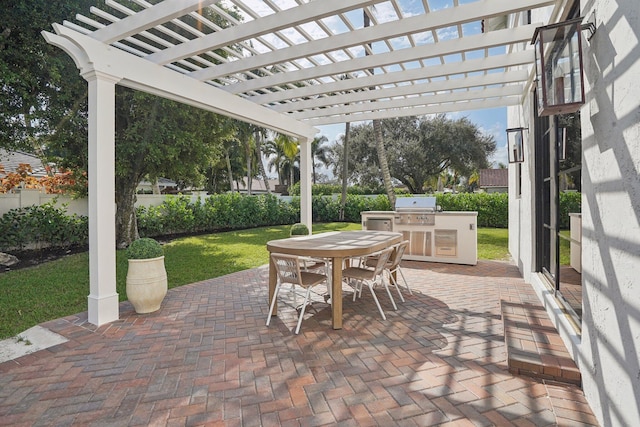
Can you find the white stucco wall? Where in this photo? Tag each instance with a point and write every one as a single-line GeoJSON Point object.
{"type": "Point", "coordinates": [520, 206]}
{"type": "Point", "coordinates": [608, 349]}
{"type": "Point", "coordinates": [611, 214]}
{"type": "Point", "coordinates": [521, 219]}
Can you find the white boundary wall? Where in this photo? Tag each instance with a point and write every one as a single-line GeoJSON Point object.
{"type": "Point", "coordinates": [24, 198]}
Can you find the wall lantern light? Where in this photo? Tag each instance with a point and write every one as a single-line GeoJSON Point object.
{"type": "Point", "coordinates": [559, 78]}
{"type": "Point", "coordinates": [562, 143]}
{"type": "Point", "coordinates": [515, 144]}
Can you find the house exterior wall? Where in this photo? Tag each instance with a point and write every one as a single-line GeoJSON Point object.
{"type": "Point", "coordinates": [611, 213]}
{"type": "Point", "coordinates": [607, 348]}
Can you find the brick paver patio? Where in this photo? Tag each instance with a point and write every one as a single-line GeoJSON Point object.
{"type": "Point", "coordinates": [207, 358]}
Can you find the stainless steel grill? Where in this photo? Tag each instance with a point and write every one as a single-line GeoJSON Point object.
{"type": "Point", "coordinates": [433, 235]}
{"type": "Point", "coordinates": [415, 210]}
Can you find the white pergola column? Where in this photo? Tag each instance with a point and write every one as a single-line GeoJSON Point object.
{"type": "Point", "coordinates": [103, 298]}
{"type": "Point", "coordinates": [305, 182]}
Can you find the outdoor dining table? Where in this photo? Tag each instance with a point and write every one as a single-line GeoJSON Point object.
{"type": "Point", "coordinates": [337, 246]}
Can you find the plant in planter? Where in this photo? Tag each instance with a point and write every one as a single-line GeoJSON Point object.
{"type": "Point", "coordinates": [146, 276]}
{"type": "Point", "coordinates": [299, 230]}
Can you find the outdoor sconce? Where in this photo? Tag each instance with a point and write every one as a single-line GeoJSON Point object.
{"type": "Point", "coordinates": [559, 78]}
{"type": "Point", "coordinates": [515, 144]}
{"type": "Point", "coordinates": [562, 144]}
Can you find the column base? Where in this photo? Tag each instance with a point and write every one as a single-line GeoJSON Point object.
{"type": "Point", "coordinates": [104, 309]}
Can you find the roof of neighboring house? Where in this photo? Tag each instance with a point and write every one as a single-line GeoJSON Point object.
{"type": "Point", "coordinates": [162, 183]}
{"type": "Point", "coordinates": [494, 178]}
{"type": "Point", "coordinates": [10, 160]}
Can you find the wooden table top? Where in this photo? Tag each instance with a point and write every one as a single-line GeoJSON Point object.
{"type": "Point", "coordinates": [336, 243]}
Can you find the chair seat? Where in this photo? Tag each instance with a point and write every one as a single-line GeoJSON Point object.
{"type": "Point", "coordinates": [358, 273]}
{"type": "Point", "coordinates": [308, 278]}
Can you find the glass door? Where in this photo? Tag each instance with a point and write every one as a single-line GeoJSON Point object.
{"type": "Point", "coordinates": [557, 174]}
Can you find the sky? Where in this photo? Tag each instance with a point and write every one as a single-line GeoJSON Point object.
{"type": "Point", "coordinates": [490, 122]}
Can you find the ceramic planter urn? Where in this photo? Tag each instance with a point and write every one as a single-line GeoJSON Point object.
{"type": "Point", "coordinates": [146, 284]}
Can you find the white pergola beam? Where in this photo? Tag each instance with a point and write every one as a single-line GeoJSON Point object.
{"type": "Point", "coordinates": [449, 47]}
{"type": "Point", "coordinates": [406, 90]}
{"type": "Point", "coordinates": [420, 23]}
{"type": "Point", "coordinates": [301, 14]}
{"type": "Point", "coordinates": [148, 18]}
{"type": "Point", "coordinates": [140, 74]}
{"type": "Point", "coordinates": [468, 66]}
{"type": "Point", "coordinates": [414, 101]}
{"type": "Point", "coordinates": [418, 111]}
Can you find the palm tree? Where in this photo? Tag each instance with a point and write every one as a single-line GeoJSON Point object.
{"type": "Point", "coordinates": [345, 169]}
{"type": "Point", "coordinates": [276, 158]}
{"type": "Point", "coordinates": [345, 161]}
{"type": "Point", "coordinates": [259, 134]}
{"type": "Point", "coordinates": [244, 134]}
{"type": "Point", "coordinates": [320, 152]}
{"type": "Point", "coordinates": [286, 149]}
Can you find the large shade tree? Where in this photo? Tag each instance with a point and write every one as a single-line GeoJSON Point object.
{"type": "Point", "coordinates": [42, 97]}
{"type": "Point", "coordinates": [418, 150]}
{"type": "Point", "coordinates": [43, 110]}
{"type": "Point", "coordinates": [158, 137]}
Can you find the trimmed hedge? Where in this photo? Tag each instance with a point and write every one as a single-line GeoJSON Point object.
{"type": "Point", "coordinates": [492, 208]}
{"type": "Point", "coordinates": [218, 212]}
{"type": "Point", "coordinates": [37, 227]}
{"type": "Point", "coordinates": [49, 226]}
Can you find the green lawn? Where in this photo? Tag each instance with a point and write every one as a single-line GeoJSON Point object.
{"type": "Point", "coordinates": [59, 288]}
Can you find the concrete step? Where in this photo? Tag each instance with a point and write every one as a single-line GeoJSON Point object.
{"type": "Point", "coordinates": [534, 347]}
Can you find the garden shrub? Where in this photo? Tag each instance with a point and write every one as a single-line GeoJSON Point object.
{"type": "Point", "coordinates": [38, 227]}
{"type": "Point", "coordinates": [144, 248]}
{"type": "Point", "coordinates": [492, 208]}
{"type": "Point", "coordinates": [299, 229]}
{"type": "Point", "coordinates": [217, 212]}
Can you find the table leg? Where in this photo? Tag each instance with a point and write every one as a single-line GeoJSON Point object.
{"type": "Point", "coordinates": [336, 293]}
{"type": "Point", "coordinates": [273, 278]}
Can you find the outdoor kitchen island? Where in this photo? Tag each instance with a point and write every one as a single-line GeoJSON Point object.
{"type": "Point", "coordinates": [433, 235]}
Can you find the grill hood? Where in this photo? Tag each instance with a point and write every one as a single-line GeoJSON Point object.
{"type": "Point", "coordinates": [404, 204]}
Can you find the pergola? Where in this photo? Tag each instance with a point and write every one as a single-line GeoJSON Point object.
{"type": "Point", "coordinates": [287, 65]}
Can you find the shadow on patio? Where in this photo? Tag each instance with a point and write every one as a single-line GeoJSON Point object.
{"type": "Point", "coordinates": [207, 358]}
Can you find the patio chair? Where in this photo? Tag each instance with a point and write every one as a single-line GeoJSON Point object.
{"type": "Point", "coordinates": [370, 276]}
{"type": "Point", "coordinates": [288, 269]}
{"type": "Point", "coordinates": [318, 265]}
{"type": "Point", "coordinates": [393, 266]}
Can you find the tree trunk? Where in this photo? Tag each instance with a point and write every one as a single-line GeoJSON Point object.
{"type": "Point", "coordinates": [263, 172]}
{"type": "Point", "coordinates": [345, 169]}
{"type": "Point", "coordinates": [229, 173]}
{"type": "Point", "coordinates": [126, 223]}
{"type": "Point", "coordinates": [249, 174]}
{"type": "Point", "coordinates": [377, 130]}
{"type": "Point", "coordinates": [384, 166]}
{"type": "Point", "coordinates": [155, 187]}
{"type": "Point", "coordinates": [291, 177]}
